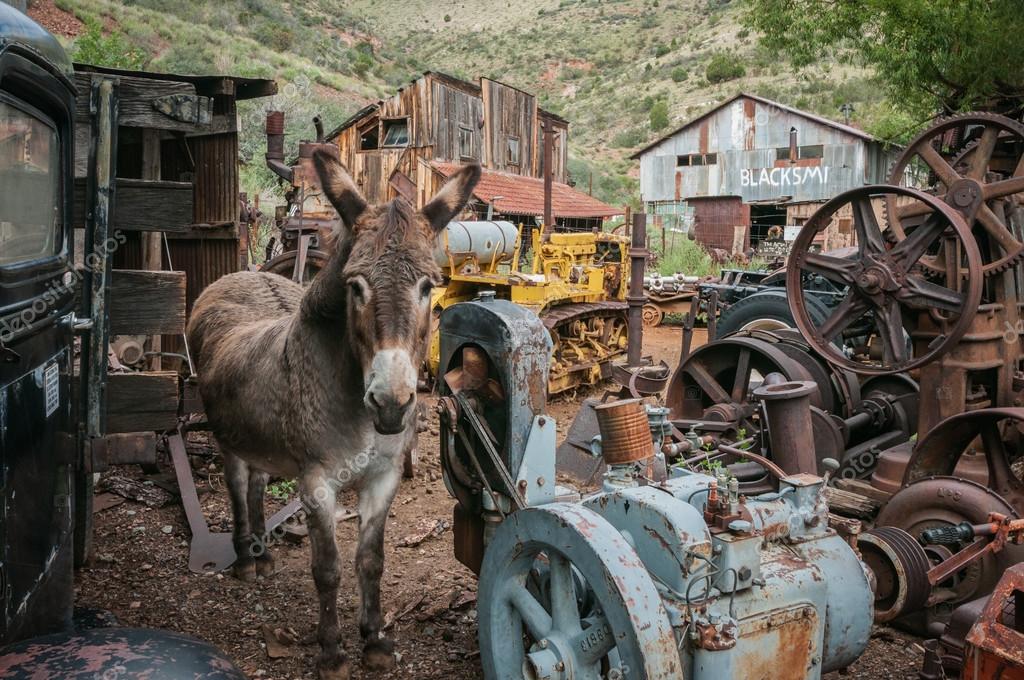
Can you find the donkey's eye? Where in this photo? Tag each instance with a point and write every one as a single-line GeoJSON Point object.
{"type": "Point", "coordinates": [358, 290]}
{"type": "Point", "coordinates": [426, 288]}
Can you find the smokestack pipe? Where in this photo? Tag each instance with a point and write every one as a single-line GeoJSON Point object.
{"type": "Point", "coordinates": [275, 146]}
{"type": "Point", "coordinates": [636, 297]}
{"type": "Point", "coordinates": [318, 123]}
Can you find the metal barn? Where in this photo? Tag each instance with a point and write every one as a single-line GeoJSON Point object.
{"type": "Point", "coordinates": [750, 164]}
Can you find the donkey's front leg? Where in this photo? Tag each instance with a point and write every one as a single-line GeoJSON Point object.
{"type": "Point", "coordinates": [374, 502]}
{"type": "Point", "coordinates": [318, 495]}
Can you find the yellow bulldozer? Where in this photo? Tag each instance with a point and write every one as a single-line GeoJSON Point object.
{"type": "Point", "coordinates": [575, 282]}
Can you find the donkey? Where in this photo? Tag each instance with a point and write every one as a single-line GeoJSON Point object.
{"type": "Point", "coordinates": [319, 384]}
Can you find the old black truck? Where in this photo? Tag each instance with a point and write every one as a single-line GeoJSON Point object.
{"type": "Point", "coordinates": [52, 372]}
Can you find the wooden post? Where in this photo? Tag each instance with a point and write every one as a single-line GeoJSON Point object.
{"type": "Point", "coordinates": [549, 134]}
{"type": "Point", "coordinates": [152, 241]}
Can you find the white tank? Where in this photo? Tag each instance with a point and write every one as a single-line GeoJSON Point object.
{"type": "Point", "coordinates": [484, 241]}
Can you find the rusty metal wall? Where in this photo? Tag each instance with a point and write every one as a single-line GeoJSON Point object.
{"type": "Point", "coordinates": [715, 220]}
{"type": "Point", "coordinates": [216, 178]}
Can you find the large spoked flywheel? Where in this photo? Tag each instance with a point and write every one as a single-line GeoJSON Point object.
{"type": "Point", "coordinates": [562, 595]}
{"type": "Point", "coordinates": [886, 278]}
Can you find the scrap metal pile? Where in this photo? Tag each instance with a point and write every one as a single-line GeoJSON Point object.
{"type": "Point", "coordinates": [874, 455]}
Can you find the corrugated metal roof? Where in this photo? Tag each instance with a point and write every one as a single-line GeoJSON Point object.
{"type": "Point", "coordinates": [849, 129]}
{"type": "Point", "coordinates": [525, 195]}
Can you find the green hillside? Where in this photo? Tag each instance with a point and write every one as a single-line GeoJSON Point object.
{"type": "Point", "coordinates": [622, 71]}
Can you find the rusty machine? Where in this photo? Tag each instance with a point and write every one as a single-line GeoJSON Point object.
{"type": "Point", "coordinates": [575, 282]}
{"type": "Point", "coordinates": [916, 383]}
{"type": "Point", "coordinates": [665, 572]}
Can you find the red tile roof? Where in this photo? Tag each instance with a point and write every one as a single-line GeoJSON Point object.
{"type": "Point", "coordinates": [525, 195]}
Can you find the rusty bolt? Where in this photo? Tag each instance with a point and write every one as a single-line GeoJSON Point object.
{"type": "Point", "coordinates": [543, 644]}
{"type": "Point", "coordinates": [542, 421]}
{"type": "Point", "coordinates": [522, 485]}
{"type": "Point", "coordinates": [560, 666]}
{"type": "Point", "coordinates": [540, 481]}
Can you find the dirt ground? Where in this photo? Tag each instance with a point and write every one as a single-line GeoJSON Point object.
{"type": "Point", "coordinates": [139, 572]}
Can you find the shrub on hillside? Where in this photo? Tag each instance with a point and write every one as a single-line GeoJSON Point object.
{"type": "Point", "coordinates": [724, 67]}
{"type": "Point", "coordinates": [627, 139]}
{"type": "Point", "coordinates": [679, 74]}
{"type": "Point", "coordinates": [659, 115]}
{"type": "Point", "coordinates": [114, 50]}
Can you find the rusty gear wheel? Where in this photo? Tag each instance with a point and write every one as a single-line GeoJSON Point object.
{"type": "Point", "coordinates": [884, 279]}
{"type": "Point", "coordinates": [984, 148]}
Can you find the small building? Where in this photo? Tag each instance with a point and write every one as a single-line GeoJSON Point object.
{"type": "Point", "coordinates": [409, 143]}
{"type": "Point", "coordinates": [750, 164]}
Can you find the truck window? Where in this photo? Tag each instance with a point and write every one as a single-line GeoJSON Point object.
{"type": "Point", "coordinates": [29, 186]}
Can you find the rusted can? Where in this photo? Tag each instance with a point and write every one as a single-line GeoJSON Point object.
{"type": "Point", "coordinates": [625, 432]}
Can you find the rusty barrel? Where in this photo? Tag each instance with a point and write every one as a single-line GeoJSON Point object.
{"type": "Point", "coordinates": [625, 432]}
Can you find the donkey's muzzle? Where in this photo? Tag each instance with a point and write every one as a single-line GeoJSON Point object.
{"type": "Point", "coordinates": [389, 416]}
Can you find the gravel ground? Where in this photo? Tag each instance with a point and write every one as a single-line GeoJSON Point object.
{"type": "Point", "coordinates": [140, 573]}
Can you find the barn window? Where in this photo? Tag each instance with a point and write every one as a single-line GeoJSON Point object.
{"type": "Point", "coordinates": [812, 151]}
{"type": "Point", "coordinates": [512, 151]}
{"type": "Point", "coordinates": [809, 151]}
{"type": "Point", "coordinates": [396, 132]}
{"type": "Point", "coordinates": [695, 159]}
{"type": "Point", "coordinates": [466, 142]}
{"type": "Point", "coordinates": [369, 135]}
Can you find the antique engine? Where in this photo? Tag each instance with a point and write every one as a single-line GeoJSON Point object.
{"type": "Point", "coordinates": [665, 572]}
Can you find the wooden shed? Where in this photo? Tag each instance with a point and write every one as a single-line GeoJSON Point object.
{"type": "Point", "coordinates": [175, 221]}
{"type": "Point", "coordinates": [396, 146]}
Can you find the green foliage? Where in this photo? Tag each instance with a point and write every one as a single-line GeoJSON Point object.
{"type": "Point", "coordinates": [661, 50]}
{"type": "Point", "coordinates": [92, 47]}
{"type": "Point", "coordinates": [724, 66]}
{"type": "Point", "coordinates": [934, 54]}
{"type": "Point", "coordinates": [679, 74]}
{"type": "Point", "coordinates": [659, 115]}
{"type": "Point", "coordinates": [282, 489]}
{"type": "Point", "coordinates": [627, 139]}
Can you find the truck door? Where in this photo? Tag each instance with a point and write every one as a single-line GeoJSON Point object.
{"type": "Point", "coordinates": [38, 436]}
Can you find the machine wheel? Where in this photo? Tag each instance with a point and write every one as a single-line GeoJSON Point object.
{"type": "Point", "coordinates": [767, 310]}
{"type": "Point", "coordinates": [563, 595]}
{"type": "Point", "coordinates": [986, 148]}
{"type": "Point", "coordinates": [946, 501]}
{"type": "Point", "coordinates": [284, 264]}
{"type": "Point", "coordinates": [653, 315]}
{"type": "Point", "coordinates": [994, 432]}
{"type": "Point", "coordinates": [887, 280]}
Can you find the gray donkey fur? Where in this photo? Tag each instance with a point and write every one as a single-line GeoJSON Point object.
{"type": "Point", "coordinates": [319, 384]}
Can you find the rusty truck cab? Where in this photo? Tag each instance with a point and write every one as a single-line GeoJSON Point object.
{"type": "Point", "coordinates": [47, 298]}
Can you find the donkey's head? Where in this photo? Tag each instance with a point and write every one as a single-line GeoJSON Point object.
{"type": "Point", "coordinates": [389, 274]}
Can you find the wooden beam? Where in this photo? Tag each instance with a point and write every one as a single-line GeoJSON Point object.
{"type": "Point", "coordinates": [138, 96]}
{"type": "Point", "coordinates": [152, 241]}
{"type": "Point", "coordinates": [147, 303]}
{"type": "Point", "coordinates": [142, 402]}
{"type": "Point", "coordinates": [144, 205]}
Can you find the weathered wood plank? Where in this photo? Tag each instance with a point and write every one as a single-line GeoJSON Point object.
{"type": "Point", "coordinates": [142, 402]}
{"type": "Point", "coordinates": [851, 504]}
{"type": "Point", "coordinates": [147, 303]}
{"type": "Point", "coordinates": [859, 486]}
{"type": "Point", "coordinates": [136, 105]}
{"type": "Point", "coordinates": [144, 205]}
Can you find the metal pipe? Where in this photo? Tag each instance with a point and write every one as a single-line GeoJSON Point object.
{"type": "Point", "coordinates": [318, 125]}
{"type": "Point", "coordinates": [636, 298]}
{"type": "Point", "coordinates": [787, 409]}
{"type": "Point", "coordinates": [275, 146]}
{"type": "Point", "coordinates": [549, 216]}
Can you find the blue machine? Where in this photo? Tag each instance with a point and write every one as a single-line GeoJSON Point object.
{"type": "Point", "coordinates": [675, 577]}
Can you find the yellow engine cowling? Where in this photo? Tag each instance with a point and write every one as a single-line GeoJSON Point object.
{"type": "Point", "coordinates": [559, 269]}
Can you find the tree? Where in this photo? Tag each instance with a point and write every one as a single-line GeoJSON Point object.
{"type": "Point", "coordinates": [930, 54]}
{"type": "Point", "coordinates": [92, 47]}
{"type": "Point", "coordinates": [659, 115]}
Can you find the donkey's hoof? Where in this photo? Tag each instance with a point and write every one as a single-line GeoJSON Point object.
{"type": "Point", "coordinates": [244, 571]}
{"type": "Point", "coordinates": [379, 655]}
{"type": "Point", "coordinates": [334, 671]}
{"type": "Point", "coordinates": [265, 566]}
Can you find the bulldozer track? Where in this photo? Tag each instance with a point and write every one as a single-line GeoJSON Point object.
{"type": "Point", "coordinates": [563, 314]}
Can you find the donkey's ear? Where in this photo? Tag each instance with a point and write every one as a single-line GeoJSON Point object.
{"type": "Point", "coordinates": [338, 186]}
{"type": "Point", "coordinates": [452, 197]}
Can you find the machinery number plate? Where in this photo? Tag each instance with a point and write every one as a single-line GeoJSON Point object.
{"type": "Point", "coordinates": [51, 388]}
